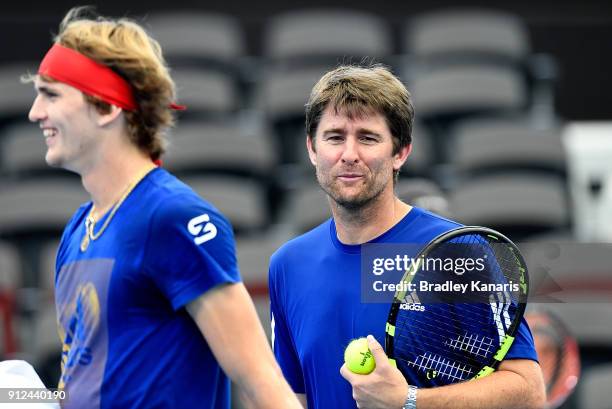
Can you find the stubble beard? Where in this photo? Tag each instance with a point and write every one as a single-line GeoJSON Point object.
{"type": "Point", "coordinates": [370, 192]}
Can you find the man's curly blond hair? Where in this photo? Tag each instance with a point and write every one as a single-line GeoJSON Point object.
{"type": "Point", "coordinates": [126, 48]}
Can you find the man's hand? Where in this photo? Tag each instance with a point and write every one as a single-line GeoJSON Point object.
{"type": "Point", "coordinates": [384, 388]}
{"type": "Point", "coordinates": [517, 383]}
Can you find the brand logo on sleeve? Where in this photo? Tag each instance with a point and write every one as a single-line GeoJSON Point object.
{"type": "Point", "coordinates": [201, 227]}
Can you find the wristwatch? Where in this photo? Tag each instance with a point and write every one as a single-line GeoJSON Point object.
{"type": "Point", "coordinates": [411, 399]}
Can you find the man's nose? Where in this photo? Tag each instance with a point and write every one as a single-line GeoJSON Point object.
{"type": "Point", "coordinates": [37, 112]}
{"type": "Point", "coordinates": [351, 151]}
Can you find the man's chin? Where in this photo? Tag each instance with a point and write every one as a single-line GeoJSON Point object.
{"type": "Point", "coordinates": [53, 161]}
{"type": "Point", "coordinates": [353, 202]}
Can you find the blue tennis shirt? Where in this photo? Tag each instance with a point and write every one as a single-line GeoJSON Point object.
{"type": "Point", "coordinates": [128, 341]}
{"type": "Point", "coordinates": [316, 307]}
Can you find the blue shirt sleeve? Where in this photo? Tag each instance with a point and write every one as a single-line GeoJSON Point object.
{"type": "Point", "coordinates": [282, 342]}
{"type": "Point", "coordinates": [523, 346]}
{"type": "Point", "coordinates": [191, 249]}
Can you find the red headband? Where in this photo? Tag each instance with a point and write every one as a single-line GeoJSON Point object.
{"type": "Point", "coordinates": [73, 68]}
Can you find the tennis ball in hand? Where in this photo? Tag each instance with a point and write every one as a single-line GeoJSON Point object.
{"type": "Point", "coordinates": [358, 357]}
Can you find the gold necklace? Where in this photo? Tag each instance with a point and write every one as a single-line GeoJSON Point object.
{"type": "Point", "coordinates": [90, 222]}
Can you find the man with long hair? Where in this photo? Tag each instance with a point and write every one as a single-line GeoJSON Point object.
{"type": "Point", "coordinates": [151, 309]}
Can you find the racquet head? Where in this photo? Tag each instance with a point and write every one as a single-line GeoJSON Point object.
{"type": "Point", "coordinates": [438, 335]}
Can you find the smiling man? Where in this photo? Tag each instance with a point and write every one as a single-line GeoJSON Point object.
{"type": "Point", "coordinates": [151, 310]}
{"type": "Point", "coordinates": [358, 124]}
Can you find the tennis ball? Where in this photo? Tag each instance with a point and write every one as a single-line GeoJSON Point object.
{"type": "Point", "coordinates": [358, 357]}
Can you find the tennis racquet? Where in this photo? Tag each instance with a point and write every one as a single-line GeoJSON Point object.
{"type": "Point", "coordinates": [440, 337]}
{"type": "Point", "coordinates": [558, 354]}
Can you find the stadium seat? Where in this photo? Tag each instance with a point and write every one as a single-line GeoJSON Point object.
{"type": "Point", "coordinates": [44, 331]}
{"type": "Point", "coordinates": [16, 98]}
{"type": "Point", "coordinates": [22, 149]}
{"type": "Point", "coordinates": [522, 203]}
{"type": "Point", "coordinates": [283, 93]}
{"type": "Point", "coordinates": [205, 92]}
{"type": "Point", "coordinates": [281, 96]}
{"type": "Point", "coordinates": [450, 45]}
{"type": "Point", "coordinates": [423, 193]}
{"type": "Point", "coordinates": [326, 36]}
{"type": "Point", "coordinates": [575, 280]}
{"type": "Point", "coordinates": [254, 253]}
{"type": "Point", "coordinates": [39, 204]}
{"type": "Point", "coordinates": [197, 37]}
{"type": "Point", "coordinates": [594, 388]}
{"type": "Point", "coordinates": [307, 207]}
{"type": "Point", "coordinates": [486, 145]}
{"type": "Point", "coordinates": [467, 33]}
{"type": "Point", "coordinates": [206, 52]}
{"type": "Point", "coordinates": [455, 91]}
{"type": "Point", "coordinates": [423, 156]}
{"type": "Point", "coordinates": [201, 145]}
{"type": "Point", "coordinates": [242, 200]}
{"type": "Point", "coordinates": [10, 270]}
{"type": "Point", "coordinates": [479, 36]}
{"type": "Point", "coordinates": [596, 331]}
{"type": "Point", "coordinates": [576, 267]}
{"type": "Point", "coordinates": [39, 328]}
{"type": "Point", "coordinates": [46, 276]}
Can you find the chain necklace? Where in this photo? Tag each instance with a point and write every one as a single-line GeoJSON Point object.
{"type": "Point", "coordinates": [90, 221]}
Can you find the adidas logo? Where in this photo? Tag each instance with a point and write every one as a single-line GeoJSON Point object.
{"type": "Point", "coordinates": [412, 303]}
{"type": "Point", "coordinates": [412, 307]}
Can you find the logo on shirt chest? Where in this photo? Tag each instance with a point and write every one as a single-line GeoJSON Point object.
{"type": "Point", "coordinates": [201, 227]}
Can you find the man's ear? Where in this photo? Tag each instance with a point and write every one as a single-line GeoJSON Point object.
{"type": "Point", "coordinates": [400, 157]}
{"type": "Point", "coordinates": [105, 119]}
{"type": "Point", "coordinates": [310, 142]}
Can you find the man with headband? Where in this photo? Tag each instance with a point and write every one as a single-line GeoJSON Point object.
{"type": "Point", "coordinates": [151, 310]}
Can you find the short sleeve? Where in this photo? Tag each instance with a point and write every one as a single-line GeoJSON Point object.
{"type": "Point", "coordinates": [523, 346]}
{"type": "Point", "coordinates": [282, 342]}
{"type": "Point", "coordinates": [191, 249]}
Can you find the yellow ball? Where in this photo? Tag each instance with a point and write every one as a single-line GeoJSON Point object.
{"type": "Point", "coordinates": [358, 357]}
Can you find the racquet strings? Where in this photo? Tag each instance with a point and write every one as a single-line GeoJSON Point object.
{"type": "Point", "coordinates": [451, 335]}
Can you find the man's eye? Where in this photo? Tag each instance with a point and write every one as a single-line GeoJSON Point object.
{"type": "Point", "coordinates": [369, 139]}
{"type": "Point", "coordinates": [48, 94]}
